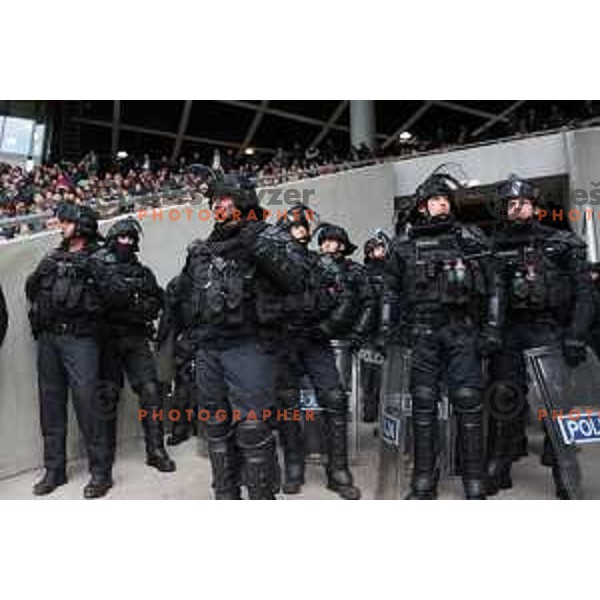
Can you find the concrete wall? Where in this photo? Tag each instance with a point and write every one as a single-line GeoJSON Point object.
{"type": "Point", "coordinates": [584, 159]}
{"type": "Point", "coordinates": [539, 156]}
{"type": "Point", "coordinates": [361, 200]}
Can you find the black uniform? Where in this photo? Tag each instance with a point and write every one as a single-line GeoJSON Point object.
{"type": "Point", "coordinates": [330, 306]}
{"type": "Point", "coordinates": [546, 299]}
{"type": "Point", "coordinates": [438, 284]}
{"type": "Point", "coordinates": [235, 281]}
{"type": "Point", "coordinates": [176, 320]}
{"type": "Point", "coordinates": [372, 357]}
{"type": "Point", "coordinates": [65, 299]}
{"type": "Point", "coordinates": [134, 300]}
{"type": "Point", "coordinates": [3, 317]}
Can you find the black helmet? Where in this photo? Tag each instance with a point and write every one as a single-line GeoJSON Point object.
{"type": "Point", "coordinates": [515, 187]}
{"type": "Point", "coordinates": [239, 189]}
{"type": "Point", "coordinates": [379, 239]}
{"type": "Point", "coordinates": [438, 184]}
{"type": "Point", "coordinates": [84, 217]}
{"type": "Point", "coordinates": [298, 214]}
{"type": "Point", "coordinates": [327, 231]}
{"type": "Point", "coordinates": [128, 227]}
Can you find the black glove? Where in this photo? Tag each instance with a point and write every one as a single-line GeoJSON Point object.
{"type": "Point", "coordinates": [490, 341]}
{"type": "Point", "coordinates": [574, 351]}
{"type": "Point", "coordinates": [356, 341]}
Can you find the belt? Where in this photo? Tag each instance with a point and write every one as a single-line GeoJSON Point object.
{"type": "Point", "coordinates": [76, 329]}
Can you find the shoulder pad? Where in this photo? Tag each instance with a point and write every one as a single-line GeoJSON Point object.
{"type": "Point", "coordinates": [567, 237]}
{"type": "Point", "coordinates": [273, 232]}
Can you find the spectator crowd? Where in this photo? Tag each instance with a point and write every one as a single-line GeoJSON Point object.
{"type": "Point", "coordinates": [31, 189]}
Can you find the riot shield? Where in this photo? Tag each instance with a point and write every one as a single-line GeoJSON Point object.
{"type": "Point", "coordinates": [566, 401]}
{"type": "Point", "coordinates": [349, 370]}
{"type": "Point", "coordinates": [312, 426]}
{"type": "Point", "coordinates": [396, 449]}
{"type": "Point", "coordinates": [348, 367]}
{"type": "Point", "coordinates": [395, 455]}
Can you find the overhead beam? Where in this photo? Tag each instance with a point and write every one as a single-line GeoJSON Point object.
{"type": "Point", "coordinates": [116, 122]}
{"type": "Point", "coordinates": [161, 133]}
{"type": "Point", "coordinates": [183, 125]}
{"type": "Point", "coordinates": [281, 113]}
{"type": "Point", "coordinates": [256, 121]}
{"type": "Point", "coordinates": [505, 113]}
{"type": "Point", "coordinates": [288, 115]}
{"type": "Point", "coordinates": [333, 119]}
{"type": "Point", "coordinates": [408, 123]}
{"type": "Point", "coordinates": [467, 110]}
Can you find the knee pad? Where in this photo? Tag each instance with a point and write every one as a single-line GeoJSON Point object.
{"type": "Point", "coordinates": [424, 400]}
{"type": "Point", "coordinates": [252, 434]}
{"type": "Point", "coordinates": [149, 394]}
{"type": "Point", "coordinates": [465, 399]}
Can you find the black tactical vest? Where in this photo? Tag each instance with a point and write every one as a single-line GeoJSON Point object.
{"type": "Point", "coordinates": [533, 264]}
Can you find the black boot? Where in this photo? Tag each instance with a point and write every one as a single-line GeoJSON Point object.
{"type": "Point", "coordinates": [519, 441]}
{"type": "Point", "coordinates": [290, 433]}
{"type": "Point", "coordinates": [547, 459]}
{"type": "Point", "coordinates": [156, 455]}
{"type": "Point", "coordinates": [52, 479]}
{"type": "Point", "coordinates": [259, 468]}
{"type": "Point", "coordinates": [339, 477]}
{"type": "Point", "coordinates": [499, 457]}
{"type": "Point", "coordinates": [470, 438]}
{"type": "Point", "coordinates": [98, 486]}
{"type": "Point", "coordinates": [560, 488]}
{"type": "Point", "coordinates": [225, 467]}
{"type": "Point", "coordinates": [183, 429]}
{"type": "Point", "coordinates": [424, 482]}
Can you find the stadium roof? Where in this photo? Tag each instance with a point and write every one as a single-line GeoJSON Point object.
{"type": "Point", "coordinates": [170, 126]}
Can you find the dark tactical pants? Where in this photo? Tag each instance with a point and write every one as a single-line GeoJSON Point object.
{"type": "Point", "coordinates": [235, 384]}
{"type": "Point", "coordinates": [447, 353]}
{"type": "Point", "coordinates": [131, 356]}
{"type": "Point", "coordinates": [508, 375]}
{"type": "Point", "coordinates": [64, 363]}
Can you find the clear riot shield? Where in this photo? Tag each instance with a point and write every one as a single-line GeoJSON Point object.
{"type": "Point", "coordinates": [567, 402]}
{"type": "Point", "coordinates": [396, 449]}
{"type": "Point", "coordinates": [348, 366]}
{"type": "Point", "coordinates": [395, 456]}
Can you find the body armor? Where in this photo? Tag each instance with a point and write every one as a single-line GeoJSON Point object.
{"type": "Point", "coordinates": [64, 292]}
{"type": "Point", "coordinates": [134, 297]}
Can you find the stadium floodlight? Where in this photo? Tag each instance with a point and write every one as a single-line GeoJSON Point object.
{"type": "Point", "coordinates": [122, 154]}
{"type": "Point", "coordinates": [249, 151]}
{"type": "Point", "coordinates": [405, 136]}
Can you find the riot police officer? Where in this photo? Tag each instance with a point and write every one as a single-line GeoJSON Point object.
{"type": "Point", "coordinates": [297, 222]}
{"type": "Point", "coordinates": [134, 300]}
{"type": "Point", "coordinates": [344, 327]}
{"type": "Point", "coordinates": [438, 283]}
{"type": "Point", "coordinates": [176, 321]}
{"type": "Point", "coordinates": [546, 299]}
{"type": "Point", "coordinates": [235, 281]}
{"type": "Point", "coordinates": [65, 299]}
{"type": "Point", "coordinates": [375, 249]}
{"type": "Point", "coordinates": [3, 317]}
